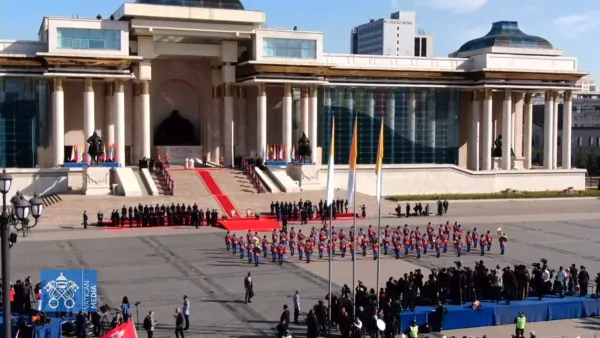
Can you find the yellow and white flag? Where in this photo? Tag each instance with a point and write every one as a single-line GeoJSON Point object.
{"type": "Point", "coordinates": [331, 166]}
{"type": "Point", "coordinates": [352, 165]}
{"type": "Point", "coordinates": [379, 164]}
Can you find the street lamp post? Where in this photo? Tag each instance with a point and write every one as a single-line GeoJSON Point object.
{"type": "Point", "coordinates": [5, 183]}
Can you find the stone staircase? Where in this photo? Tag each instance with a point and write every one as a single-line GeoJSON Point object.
{"type": "Point", "coordinates": [233, 181]}
{"type": "Point", "coordinates": [51, 199]}
{"type": "Point", "coordinates": [161, 184]}
{"type": "Point", "coordinates": [189, 184]}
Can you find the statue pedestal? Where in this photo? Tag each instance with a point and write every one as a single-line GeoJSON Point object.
{"type": "Point", "coordinates": [96, 181]}
{"type": "Point", "coordinates": [307, 175]}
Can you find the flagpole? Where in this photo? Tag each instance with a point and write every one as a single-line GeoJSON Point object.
{"type": "Point", "coordinates": [330, 267]}
{"type": "Point", "coordinates": [353, 254]}
{"type": "Point", "coordinates": [379, 238]}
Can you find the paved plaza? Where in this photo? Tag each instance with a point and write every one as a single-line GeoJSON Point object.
{"type": "Point", "coordinates": [158, 266]}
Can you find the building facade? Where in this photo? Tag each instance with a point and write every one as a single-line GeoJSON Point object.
{"type": "Point", "coordinates": [194, 78]}
{"type": "Point", "coordinates": [397, 36]}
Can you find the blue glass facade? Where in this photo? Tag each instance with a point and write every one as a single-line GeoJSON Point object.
{"type": "Point", "coordinates": [420, 125]}
{"type": "Point", "coordinates": [290, 48]}
{"type": "Point", "coordinates": [24, 120]}
{"type": "Point", "coordinates": [80, 38]}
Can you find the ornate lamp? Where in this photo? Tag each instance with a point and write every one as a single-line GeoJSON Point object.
{"type": "Point", "coordinates": [37, 206]}
{"type": "Point", "coordinates": [22, 209]}
{"type": "Point", "coordinates": [5, 182]}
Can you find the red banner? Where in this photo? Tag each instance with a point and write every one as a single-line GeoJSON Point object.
{"type": "Point", "coordinates": [126, 330]}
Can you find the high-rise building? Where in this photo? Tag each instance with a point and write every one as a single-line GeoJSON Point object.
{"type": "Point", "coordinates": [396, 36]}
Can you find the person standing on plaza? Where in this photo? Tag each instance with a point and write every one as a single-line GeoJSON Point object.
{"type": "Point", "coordinates": [520, 323]}
{"type": "Point", "coordinates": [150, 324]}
{"type": "Point", "coordinates": [179, 323]}
{"type": "Point", "coordinates": [85, 219]}
{"type": "Point", "coordinates": [126, 309]}
{"type": "Point", "coordinates": [186, 312]}
{"type": "Point", "coordinates": [296, 299]}
{"type": "Point", "coordinates": [249, 289]}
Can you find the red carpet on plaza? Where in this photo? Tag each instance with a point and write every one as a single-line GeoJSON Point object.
{"type": "Point", "coordinates": [250, 223]}
{"type": "Point", "coordinates": [214, 189]}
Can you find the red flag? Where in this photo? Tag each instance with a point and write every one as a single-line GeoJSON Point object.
{"type": "Point", "coordinates": [126, 330]}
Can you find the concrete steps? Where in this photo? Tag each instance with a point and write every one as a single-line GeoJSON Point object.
{"type": "Point", "coordinates": [140, 181]}
{"type": "Point", "coordinates": [233, 181]}
{"type": "Point", "coordinates": [51, 199]}
{"type": "Point", "coordinates": [188, 183]}
{"type": "Point", "coordinates": [161, 184]}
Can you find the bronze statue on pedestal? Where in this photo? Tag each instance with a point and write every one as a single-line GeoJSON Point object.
{"type": "Point", "coordinates": [95, 148]}
{"type": "Point", "coordinates": [304, 149]}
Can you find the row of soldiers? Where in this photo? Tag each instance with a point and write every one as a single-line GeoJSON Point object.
{"type": "Point", "coordinates": [305, 210]}
{"type": "Point", "coordinates": [175, 214]}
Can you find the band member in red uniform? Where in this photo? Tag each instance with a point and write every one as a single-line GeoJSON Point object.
{"type": "Point", "coordinates": [502, 240]}
{"type": "Point", "coordinates": [352, 251]}
{"type": "Point", "coordinates": [309, 251]}
{"type": "Point", "coordinates": [365, 246]}
{"type": "Point", "coordinates": [343, 246]}
{"type": "Point", "coordinates": [301, 249]}
{"type": "Point", "coordinates": [398, 248]}
{"type": "Point", "coordinates": [459, 245]}
{"type": "Point", "coordinates": [282, 250]}
{"type": "Point", "coordinates": [419, 249]}
{"type": "Point", "coordinates": [321, 249]}
{"type": "Point", "coordinates": [375, 248]}
{"type": "Point", "coordinates": [469, 240]}
{"type": "Point", "coordinates": [228, 241]}
{"type": "Point", "coordinates": [438, 247]}
{"type": "Point", "coordinates": [489, 239]}
{"type": "Point", "coordinates": [482, 244]}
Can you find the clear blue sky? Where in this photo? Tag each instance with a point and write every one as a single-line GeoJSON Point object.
{"type": "Point", "coordinates": [573, 26]}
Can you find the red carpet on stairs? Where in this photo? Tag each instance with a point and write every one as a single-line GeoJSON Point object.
{"type": "Point", "coordinates": [213, 187]}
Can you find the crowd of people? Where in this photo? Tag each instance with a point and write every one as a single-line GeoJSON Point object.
{"type": "Point", "coordinates": [417, 209]}
{"type": "Point", "coordinates": [159, 215]}
{"type": "Point", "coordinates": [307, 210]}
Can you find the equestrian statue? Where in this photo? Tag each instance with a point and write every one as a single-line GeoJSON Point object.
{"type": "Point", "coordinates": [95, 148]}
{"type": "Point", "coordinates": [304, 149]}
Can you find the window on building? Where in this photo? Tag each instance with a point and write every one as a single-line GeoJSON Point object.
{"type": "Point", "coordinates": [580, 141]}
{"type": "Point", "coordinates": [591, 141]}
{"type": "Point", "coordinates": [290, 48]}
{"type": "Point", "coordinates": [558, 141]}
{"type": "Point", "coordinates": [417, 47]}
{"type": "Point", "coordinates": [80, 38]}
{"type": "Point", "coordinates": [598, 142]}
{"type": "Point", "coordinates": [423, 47]}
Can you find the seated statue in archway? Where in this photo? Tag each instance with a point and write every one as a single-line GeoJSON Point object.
{"type": "Point", "coordinates": [175, 130]}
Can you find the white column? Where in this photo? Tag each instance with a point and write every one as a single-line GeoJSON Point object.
{"type": "Point", "coordinates": [286, 128]}
{"type": "Point", "coordinates": [146, 149]}
{"type": "Point", "coordinates": [214, 146]}
{"type": "Point", "coordinates": [137, 121]}
{"type": "Point", "coordinates": [431, 122]}
{"type": "Point", "coordinates": [261, 114]}
{"type": "Point", "coordinates": [88, 110]}
{"type": "Point", "coordinates": [229, 125]}
{"type": "Point", "coordinates": [412, 123]}
{"type": "Point", "coordinates": [528, 131]}
{"type": "Point", "coordinates": [548, 126]}
{"type": "Point", "coordinates": [390, 121]}
{"type": "Point", "coordinates": [109, 114]}
{"type": "Point", "coordinates": [120, 121]}
{"type": "Point", "coordinates": [304, 111]}
{"type": "Point", "coordinates": [555, 132]}
{"type": "Point", "coordinates": [486, 141]}
{"type": "Point", "coordinates": [473, 147]}
{"type": "Point", "coordinates": [241, 130]}
{"type": "Point", "coordinates": [58, 123]}
{"type": "Point", "coordinates": [313, 126]}
{"type": "Point", "coordinates": [374, 130]}
{"type": "Point", "coordinates": [506, 131]}
{"type": "Point", "coordinates": [566, 129]}
{"type": "Point", "coordinates": [228, 75]}
{"type": "Point", "coordinates": [518, 124]}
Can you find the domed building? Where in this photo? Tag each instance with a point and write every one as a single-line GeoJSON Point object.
{"type": "Point", "coordinates": [207, 78]}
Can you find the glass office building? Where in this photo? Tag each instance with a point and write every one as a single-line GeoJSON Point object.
{"type": "Point", "coordinates": [24, 120]}
{"type": "Point", "coordinates": [420, 125]}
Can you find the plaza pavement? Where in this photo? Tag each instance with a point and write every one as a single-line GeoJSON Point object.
{"type": "Point", "coordinates": [158, 266]}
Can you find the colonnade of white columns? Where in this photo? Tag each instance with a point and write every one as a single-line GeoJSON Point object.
{"type": "Point", "coordinates": [517, 123]}
{"type": "Point", "coordinates": [115, 118]}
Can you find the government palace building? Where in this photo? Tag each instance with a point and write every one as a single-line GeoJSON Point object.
{"type": "Point", "coordinates": [195, 78]}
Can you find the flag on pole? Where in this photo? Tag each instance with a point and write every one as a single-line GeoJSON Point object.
{"type": "Point", "coordinates": [72, 157]}
{"type": "Point", "coordinates": [126, 330]}
{"type": "Point", "coordinates": [352, 165]}
{"type": "Point", "coordinates": [109, 153]}
{"type": "Point", "coordinates": [115, 154]}
{"type": "Point", "coordinates": [331, 166]}
{"type": "Point", "coordinates": [76, 154]}
{"type": "Point", "coordinates": [379, 163]}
